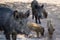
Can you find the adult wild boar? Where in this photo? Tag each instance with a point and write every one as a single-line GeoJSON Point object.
{"type": "Point", "coordinates": [38, 12]}
{"type": "Point", "coordinates": [13, 22]}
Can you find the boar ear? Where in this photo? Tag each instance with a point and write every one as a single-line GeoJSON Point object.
{"type": "Point", "coordinates": [15, 14]}
{"type": "Point", "coordinates": [42, 5]}
{"type": "Point", "coordinates": [27, 13]}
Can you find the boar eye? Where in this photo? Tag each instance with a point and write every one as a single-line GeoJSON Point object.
{"type": "Point", "coordinates": [48, 29]}
{"type": "Point", "coordinates": [17, 17]}
{"type": "Point", "coordinates": [16, 14]}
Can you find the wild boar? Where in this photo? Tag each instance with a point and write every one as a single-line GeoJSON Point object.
{"type": "Point", "coordinates": [37, 28]}
{"type": "Point", "coordinates": [12, 22]}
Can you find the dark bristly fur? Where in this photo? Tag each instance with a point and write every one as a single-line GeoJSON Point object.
{"type": "Point", "coordinates": [10, 22]}
{"type": "Point", "coordinates": [38, 11]}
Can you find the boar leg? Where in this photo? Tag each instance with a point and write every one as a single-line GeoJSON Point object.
{"type": "Point", "coordinates": [7, 36]}
{"type": "Point", "coordinates": [39, 20]}
{"type": "Point", "coordinates": [14, 36]}
{"type": "Point", "coordinates": [37, 34]}
{"type": "Point", "coordinates": [35, 19]}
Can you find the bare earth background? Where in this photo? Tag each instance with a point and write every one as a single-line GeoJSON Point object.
{"type": "Point", "coordinates": [26, 1]}
{"type": "Point", "coordinates": [53, 13]}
